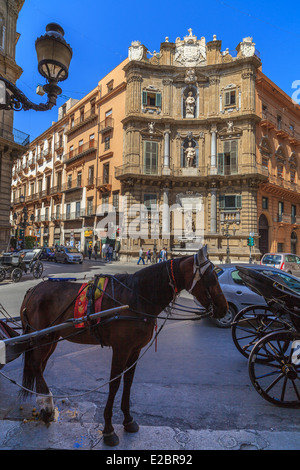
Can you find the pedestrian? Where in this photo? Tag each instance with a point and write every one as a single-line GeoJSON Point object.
{"type": "Point", "coordinates": [141, 253]}
{"type": "Point", "coordinates": [110, 252]}
{"type": "Point", "coordinates": [90, 250]}
{"type": "Point", "coordinates": [148, 256]}
{"type": "Point", "coordinates": [96, 250]}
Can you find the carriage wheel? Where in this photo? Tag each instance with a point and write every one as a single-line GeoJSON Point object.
{"type": "Point", "coordinates": [16, 274]}
{"type": "Point", "coordinates": [253, 323]}
{"type": "Point", "coordinates": [277, 379]}
{"type": "Point", "coordinates": [37, 269]}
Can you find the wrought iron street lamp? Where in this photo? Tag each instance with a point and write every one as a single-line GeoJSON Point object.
{"type": "Point", "coordinates": [226, 233]}
{"type": "Point", "coordinates": [54, 57]}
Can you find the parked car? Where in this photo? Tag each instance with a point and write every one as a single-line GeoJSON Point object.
{"type": "Point", "coordinates": [285, 261]}
{"type": "Point", "coordinates": [238, 295]}
{"type": "Point", "coordinates": [47, 254]}
{"type": "Point", "coordinates": [64, 254]}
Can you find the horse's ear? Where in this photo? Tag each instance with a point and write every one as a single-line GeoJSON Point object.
{"type": "Point", "coordinates": [202, 254]}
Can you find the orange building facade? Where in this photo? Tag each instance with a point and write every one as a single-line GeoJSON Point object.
{"type": "Point", "coordinates": [278, 151]}
{"type": "Point", "coordinates": [65, 179]}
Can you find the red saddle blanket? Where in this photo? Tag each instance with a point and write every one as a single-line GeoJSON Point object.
{"type": "Point", "coordinates": [82, 301]}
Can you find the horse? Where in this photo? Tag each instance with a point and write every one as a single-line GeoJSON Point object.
{"type": "Point", "coordinates": [147, 293]}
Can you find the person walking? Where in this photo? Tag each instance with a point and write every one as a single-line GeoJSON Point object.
{"type": "Point", "coordinates": [141, 253]}
{"type": "Point", "coordinates": [95, 250]}
{"type": "Point", "coordinates": [90, 250]}
{"type": "Point", "coordinates": [148, 256]}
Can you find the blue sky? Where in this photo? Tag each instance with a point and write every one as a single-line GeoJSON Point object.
{"type": "Point", "coordinates": [100, 33]}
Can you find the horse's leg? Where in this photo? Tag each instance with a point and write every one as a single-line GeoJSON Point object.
{"type": "Point", "coordinates": [119, 360]}
{"type": "Point", "coordinates": [44, 402]}
{"type": "Point", "coordinates": [129, 424]}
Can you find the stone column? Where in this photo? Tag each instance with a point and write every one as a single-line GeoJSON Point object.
{"type": "Point", "coordinates": [213, 151]}
{"type": "Point", "coordinates": [213, 208]}
{"type": "Point", "coordinates": [165, 215]}
{"type": "Point", "coordinates": [167, 149]}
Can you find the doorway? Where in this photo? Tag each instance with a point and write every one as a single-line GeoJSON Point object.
{"type": "Point", "coordinates": [263, 228]}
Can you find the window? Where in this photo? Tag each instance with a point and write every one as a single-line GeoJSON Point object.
{"type": "Point", "coordinates": [77, 210]}
{"type": "Point", "coordinates": [265, 202]}
{"type": "Point", "coordinates": [106, 173]}
{"type": "Point", "coordinates": [280, 211]}
{"type": "Point", "coordinates": [72, 121]}
{"type": "Point", "coordinates": [69, 181]}
{"type": "Point", "coordinates": [265, 162]}
{"type": "Point", "coordinates": [80, 146]}
{"type": "Point", "coordinates": [32, 188]}
{"type": "Point", "coordinates": [105, 201]}
{"type": "Point", "coordinates": [91, 175]}
{"type": "Point", "coordinates": [79, 178]}
{"type": "Point", "coordinates": [280, 171]}
{"type": "Point", "coordinates": [68, 211]}
{"type": "Point", "coordinates": [107, 142]}
{"type": "Point", "coordinates": [89, 209]}
{"type": "Point", "coordinates": [279, 122]}
{"type": "Point", "coordinates": [115, 200]}
{"type": "Point", "coordinates": [81, 114]}
{"type": "Point", "coordinates": [233, 201]}
{"type": "Point", "coordinates": [57, 211]}
{"type": "Point", "coordinates": [93, 107]}
{"type": "Point", "coordinates": [150, 201]}
{"type": "Point", "coordinates": [92, 140]}
{"type": "Point", "coordinates": [230, 98]}
{"type": "Point", "coordinates": [150, 157]}
{"type": "Point", "coordinates": [293, 176]}
{"type": "Point", "coordinates": [280, 247]}
{"type": "Point", "coordinates": [71, 151]}
{"type": "Point", "coordinates": [237, 278]}
{"type": "Point", "coordinates": [228, 161]}
{"type": "Point", "coordinates": [293, 214]}
{"type": "Point", "coordinates": [40, 185]}
{"type": "Point", "coordinates": [151, 99]}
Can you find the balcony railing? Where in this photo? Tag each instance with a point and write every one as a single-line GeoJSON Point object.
{"type": "Point", "coordinates": [73, 215]}
{"type": "Point", "coordinates": [83, 119]}
{"type": "Point", "coordinates": [72, 185]}
{"type": "Point", "coordinates": [282, 128]}
{"type": "Point", "coordinates": [106, 125]}
{"type": "Point", "coordinates": [80, 151]}
{"type": "Point", "coordinates": [199, 171]}
{"type": "Point", "coordinates": [14, 135]}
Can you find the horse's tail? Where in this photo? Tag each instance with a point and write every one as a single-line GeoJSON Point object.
{"type": "Point", "coordinates": [28, 371]}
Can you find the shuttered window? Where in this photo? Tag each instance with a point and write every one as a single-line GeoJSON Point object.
{"type": "Point", "coordinates": [150, 158]}
{"type": "Point", "coordinates": [232, 201]}
{"type": "Point", "coordinates": [228, 160]}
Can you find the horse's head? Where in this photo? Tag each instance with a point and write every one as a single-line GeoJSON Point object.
{"type": "Point", "coordinates": [202, 283]}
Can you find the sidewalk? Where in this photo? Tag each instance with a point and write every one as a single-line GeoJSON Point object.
{"type": "Point", "coordinates": [81, 436]}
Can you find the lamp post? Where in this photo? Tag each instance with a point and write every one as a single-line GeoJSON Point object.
{"type": "Point", "coordinates": [23, 222]}
{"type": "Point", "coordinates": [54, 56]}
{"type": "Point", "coordinates": [226, 233]}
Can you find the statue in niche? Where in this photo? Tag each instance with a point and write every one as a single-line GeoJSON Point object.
{"type": "Point", "coordinates": [190, 105]}
{"type": "Point", "coordinates": [190, 154]}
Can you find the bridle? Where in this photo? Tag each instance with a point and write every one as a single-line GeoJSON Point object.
{"type": "Point", "coordinates": [199, 271]}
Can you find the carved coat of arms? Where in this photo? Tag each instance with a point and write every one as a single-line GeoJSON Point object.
{"type": "Point", "coordinates": [190, 52]}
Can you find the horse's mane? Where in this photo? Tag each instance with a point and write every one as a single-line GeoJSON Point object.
{"type": "Point", "coordinates": [152, 282]}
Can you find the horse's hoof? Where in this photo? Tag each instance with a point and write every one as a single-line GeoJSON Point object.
{"type": "Point", "coordinates": [131, 427]}
{"type": "Point", "coordinates": [46, 416]}
{"type": "Point", "coordinates": [111, 439]}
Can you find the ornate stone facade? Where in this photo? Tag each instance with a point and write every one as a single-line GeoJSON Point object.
{"type": "Point", "coordinates": [189, 134]}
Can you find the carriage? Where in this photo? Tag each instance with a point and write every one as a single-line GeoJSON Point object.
{"type": "Point", "coordinates": [13, 265]}
{"type": "Point", "coordinates": [269, 337]}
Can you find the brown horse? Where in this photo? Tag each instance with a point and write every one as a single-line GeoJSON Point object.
{"type": "Point", "coordinates": [147, 292]}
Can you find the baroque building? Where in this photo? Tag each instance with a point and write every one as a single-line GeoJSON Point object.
{"type": "Point", "coordinates": [190, 143]}
{"type": "Point", "coordinates": [13, 143]}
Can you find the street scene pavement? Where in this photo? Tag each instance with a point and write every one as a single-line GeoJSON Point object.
{"type": "Point", "coordinates": [191, 390]}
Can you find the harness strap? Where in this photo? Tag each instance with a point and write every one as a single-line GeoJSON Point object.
{"type": "Point", "coordinates": [173, 278]}
{"type": "Point", "coordinates": [199, 270]}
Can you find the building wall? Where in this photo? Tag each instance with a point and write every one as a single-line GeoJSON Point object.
{"type": "Point", "coordinates": [10, 146]}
